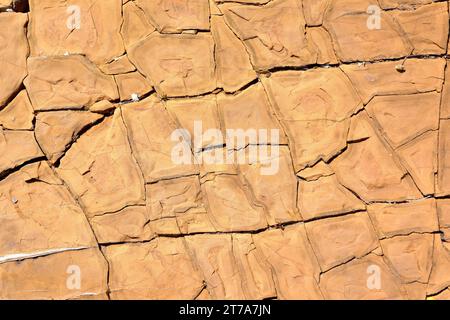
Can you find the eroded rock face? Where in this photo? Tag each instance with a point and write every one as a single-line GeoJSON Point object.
{"type": "Point", "coordinates": [224, 149]}
{"type": "Point", "coordinates": [14, 51]}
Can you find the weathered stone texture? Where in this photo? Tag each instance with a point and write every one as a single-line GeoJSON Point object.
{"type": "Point", "coordinates": [224, 149]}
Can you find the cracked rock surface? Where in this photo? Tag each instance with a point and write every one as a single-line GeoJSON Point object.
{"type": "Point", "coordinates": [93, 205]}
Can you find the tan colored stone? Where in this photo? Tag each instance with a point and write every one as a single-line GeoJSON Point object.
{"type": "Point", "coordinates": [340, 239]}
{"type": "Point", "coordinates": [47, 277]}
{"type": "Point", "coordinates": [294, 267]}
{"type": "Point", "coordinates": [334, 198]}
{"type": "Point", "coordinates": [313, 107]}
{"type": "Point", "coordinates": [103, 106]}
{"type": "Point", "coordinates": [199, 114]}
{"type": "Point", "coordinates": [233, 66]}
{"type": "Point", "coordinates": [177, 206]}
{"type": "Point", "coordinates": [352, 27]}
{"type": "Point", "coordinates": [160, 269]}
{"type": "Point", "coordinates": [382, 79]}
{"type": "Point", "coordinates": [101, 170]}
{"type": "Point", "coordinates": [39, 215]}
{"type": "Point", "coordinates": [348, 23]}
{"type": "Point", "coordinates": [97, 35]}
{"type": "Point", "coordinates": [420, 159]}
{"type": "Point", "coordinates": [18, 114]}
{"type": "Point", "coordinates": [6, 3]}
{"type": "Point", "coordinates": [274, 34]}
{"type": "Point", "coordinates": [314, 11]}
{"type": "Point", "coordinates": [445, 102]}
{"type": "Point", "coordinates": [174, 16]}
{"type": "Point", "coordinates": [275, 191]}
{"type": "Point", "coordinates": [369, 169]}
{"type": "Point", "coordinates": [13, 53]}
{"type": "Point", "coordinates": [55, 131]}
{"type": "Point", "coordinates": [135, 26]}
{"type": "Point", "coordinates": [118, 66]}
{"type": "Point", "coordinates": [17, 148]}
{"type": "Point", "coordinates": [357, 280]}
{"type": "Point", "coordinates": [320, 169]}
{"type": "Point", "coordinates": [177, 65]}
{"type": "Point", "coordinates": [403, 118]}
{"type": "Point", "coordinates": [402, 219]}
{"type": "Point", "coordinates": [224, 149]}
{"type": "Point", "coordinates": [402, 4]}
{"type": "Point", "coordinates": [67, 82]}
{"type": "Point", "coordinates": [132, 85]}
{"type": "Point", "coordinates": [127, 225]}
{"type": "Point", "coordinates": [410, 256]}
{"type": "Point", "coordinates": [231, 268]}
{"type": "Point", "coordinates": [443, 176]}
{"type": "Point", "coordinates": [443, 209]}
{"type": "Point", "coordinates": [150, 130]}
{"type": "Point", "coordinates": [426, 28]}
{"type": "Point", "coordinates": [250, 110]}
{"type": "Point", "coordinates": [231, 206]}
{"type": "Point", "coordinates": [440, 271]}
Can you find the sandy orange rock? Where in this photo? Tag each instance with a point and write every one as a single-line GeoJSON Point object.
{"type": "Point", "coordinates": [274, 34]}
{"type": "Point", "coordinates": [340, 239]}
{"type": "Point", "coordinates": [443, 177]}
{"type": "Point", "coordinates": [314, 107]}
{"type": "Point", "coordinates": [12, 156]}
{"type": "Point", "coordinates": [79, 27]}
{"type": "Point", "coordinates": [39, 215]}
{"type": "Point", "coordinates": [56, 130]}
{"type": "Point", "coordinates": [18, 114]}
{"type": "Point", "coordinates": [101, 154]}
{"type": "Point", "coordinates": [160, 269]}
{"type": "Point", "coordinates": [294, 265]}
{"type": "Point", "coordinates": [402, 219]}
{"type": "Point", "coordinates": [352, 281]}
{"type": "Point", "coordinates": [224, 149]}
{"type": "Point", "coordinates": [150, 129]}
{"type": "Point", "coordinates": [13, 52]}
{"type": "Point", "coordinates": [177, 65]}
{"type": "Point", "coordinates": [174, 16]}
{"type": "Point", "coordinates": [67, 82]}
{"type": "Point", "coordinates": [26, 279]}
{"type": "Point", "coordinates": [335, 198]}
